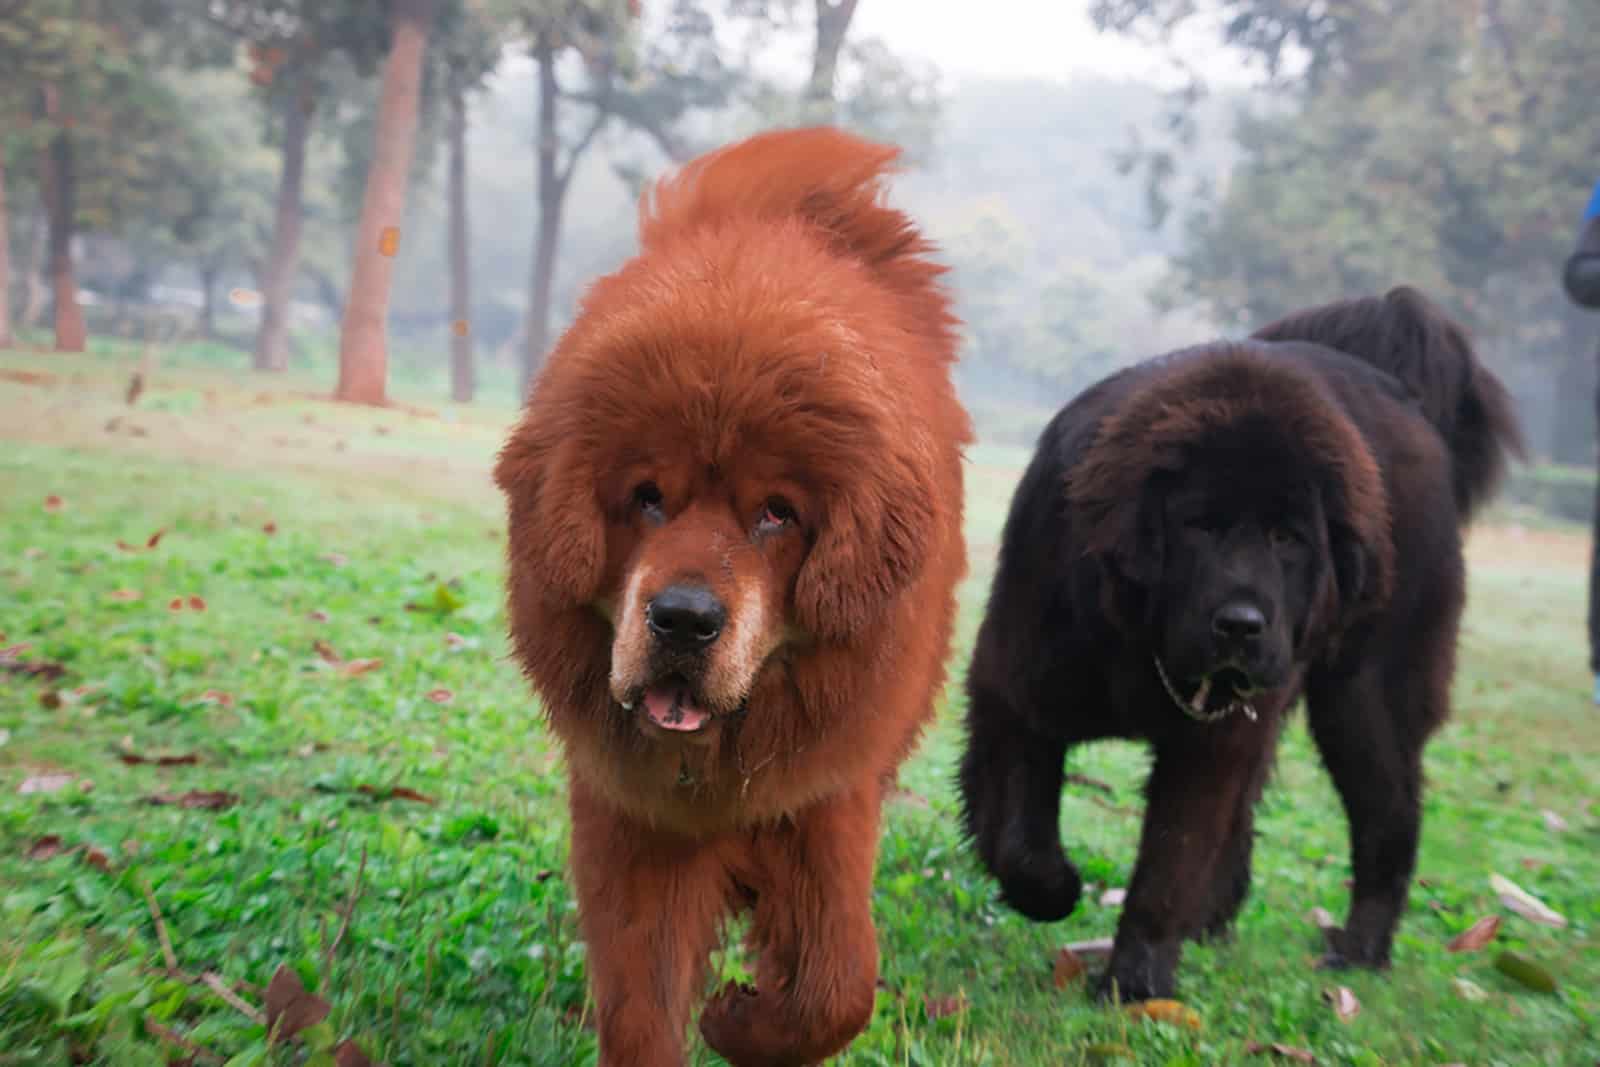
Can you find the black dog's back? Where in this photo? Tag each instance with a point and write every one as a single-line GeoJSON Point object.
{"type": "Point", "coordinates": [1404, 334]}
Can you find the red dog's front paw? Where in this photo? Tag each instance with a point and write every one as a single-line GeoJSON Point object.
{"type": "Point", "coordinates": [746, 1029]}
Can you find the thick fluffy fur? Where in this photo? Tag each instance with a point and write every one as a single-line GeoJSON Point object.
{"type": "Point", "coordinates": [1316, 478]}
{"type": "Point", "coordinates": [757, 407]}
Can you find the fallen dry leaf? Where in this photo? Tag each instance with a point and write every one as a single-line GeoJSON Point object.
{"type": "Point", "coordinates": [1345, 1004]}
{"type": "Point", "coordinates": [1525, 903]}
{"type": "Point", "coordinates": [216, 696]}
{"type": "Point", "coordinates": [399, 792]}
{"type": "Point", "coordinates": [326, 651]}
{"type": "Point", "coordinates": [133, 759]}
{"type": "Point", "coordinates": [44, 783]}
{"type": "Point", "coordinates": [196, 603]}
{"type": "Point", "coordinates": [1069, 968]}
{"type": "Point", "coordinates": [1554, 822]}
{"type": "Point", "coordinates": [1113, 898]}
{"type": "Point", "coordinates": [453, 640]}
{"type": "Point", "coordinates": [13, 651]}
{"type": "Point", "coordinates": [1322, 918]}
{"type": "Point", "coordinates": [124, 595]}
{"type": "Point", "coordinates": [441, 696]}
{"type": "Point", "coordinates": [290, 1007]}
{"type": "Point", "coordinates": [32, 668]}
{"type": "Point", "coordinates": [354, 667]}
{"type": "Point", "coordinates": [97, 859]}
{"type": "Point", "coordinates": [318, 616]}
{"type": "Point", "coordinates": [1278, 1048]}
{"type": "Point", "coordinates": [1469, 991]}
{"type": "Point", "coordinates": [1166, 1011]}
{"type": "Point", "coordinates": [269, 528]}
{"type": "Point", "coordinates": [50, 699]}
{"type": "Point", "coordinates": [349, 1054]}
{"type": "Point", "coordinates": [45, 847]}
{"type": "Point", "coordinates": [216, 800]}
{"type": "Point", "coordinates": [53, 503]}
{"type": "Point", "coordinates": [1476, 936]}
{"type": "Point", "coordinates": [175, 604]}
{"type": "Point", "coordinates": [943, 1007]}
{"type": "Point", "coordinates": [1096, 946]}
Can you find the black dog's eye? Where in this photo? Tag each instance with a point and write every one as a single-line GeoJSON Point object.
{"type": "Point", "coordinates": [647, 497]}
{"type": "Point", "coordinates": [1283, 537]}
{"type": "Point", "coordinates": [776, 513]}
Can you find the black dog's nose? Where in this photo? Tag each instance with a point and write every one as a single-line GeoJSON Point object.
{"type": "Point", "coordinates": [1238, 620]}
{"type": "Point", "coordinates": [686, 618]}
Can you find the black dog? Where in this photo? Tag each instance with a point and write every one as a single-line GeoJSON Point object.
{"type": "Point", "coordinates": [1199, 541]}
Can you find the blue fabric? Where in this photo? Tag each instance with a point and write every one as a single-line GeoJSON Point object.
{"type": "Point", "coordinates": [1593, 210]}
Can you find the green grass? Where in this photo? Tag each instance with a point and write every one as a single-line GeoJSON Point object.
{"type": "Point", "coordinates": [461, 946]}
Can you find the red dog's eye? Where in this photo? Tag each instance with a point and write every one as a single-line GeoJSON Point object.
{"type": "Point", "coordinates": [648, 499]}
{"type": "Point", "coordinates": [775, 514]}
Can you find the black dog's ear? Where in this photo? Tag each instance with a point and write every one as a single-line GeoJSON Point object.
{"type": "Point", "coordinates": [1139, 555]}
{"type": "Point", "coordinates": [1351, 564]}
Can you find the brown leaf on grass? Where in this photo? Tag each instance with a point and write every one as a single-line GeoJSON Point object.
{"type": "Point", "coordinates": [1278, 1048]}
{"type": "Point", "coordinates": [1113, 898]}
{"type": "Point", "coordinates": [44, 783]}
{"type": "Point", "coordinates": [290, 1007]}
{"type": "Point", "coordinates": [1344, 1002]}
{"type": "Point", "coordinates": [269, 528]}
{"type": "Point", "coordinates": [937, 1008]}
{"type": "Point", "coordinates": [1166, 1011]}
{"type": "Point", "coordinates": [50, 699]}
{"type": "Point", "coordinates": [32, 668]}
{"type": "Point", "coordinates": [11, 652]}
{"type": "Point", "coordinates": [175, 604]}
{"type": "Point", "coordinates": [216, 696]}
{"type": "Point", "coordinates": [354, 667]}
{"type": "Point", "coordinates": [326, 651]}
{"type": "Point", "coordinates": [441, 695]}
{"type": "Point", "coordinates": [318, 616]}
{"type": "Point", "coordinates": [134, 759]}
{"type": "Point", "coordinates": [53, 503]}
{"type": "Point", "coordinates": [215, 800]}
{"type": "Point", "coordinates": [1322, 918]}
{"type": "Point", "coordinates": [1095, 946]}
{"type": "Point", "coordinates": [1553, 822]}
{"type": "Point", "coordinates": [399, 792]}
{"type": "Point", "coordinates": [97, 859]}
{"type": "Point", "coordinates": [1069, 968]}
{"type": "Point", "coordinates": [1534, 863]}
{"type": "Point", "coordinates": [150, 542]}
{"type": "Point", "coordinates": [349, 1054]}
{"type": "Point", "coordinates": [196, 603]}
{"type": "Point", "coordinates": [453, 641]}
{"type": "Point", "coordinates": [124, 595]}
{"type": "Point", "coordinates": [45, 847]}
{"type": "Point", "coordinates": [1476, 936]}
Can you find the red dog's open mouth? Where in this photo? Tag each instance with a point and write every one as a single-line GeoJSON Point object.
{"type": "Point", "coordinates": [670, 705]}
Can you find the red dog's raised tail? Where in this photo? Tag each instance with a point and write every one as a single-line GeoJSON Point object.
{"type": "Point", "coordinates": [824, 176]}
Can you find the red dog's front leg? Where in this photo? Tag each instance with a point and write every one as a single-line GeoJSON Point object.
{"type": "Point", "coordinates": [817, 968]}
{"type": "Point", "coordinates": [648, 904]}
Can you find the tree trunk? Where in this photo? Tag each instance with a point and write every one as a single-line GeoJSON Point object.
{"type": "Point", "coordinates": [6, 338]}
{"type": "Point", "coordinates": [461, 369]}
{"type": "Point", "coordinates": [549, 234]}
{"type": "Point", "coordinates": [277, 284]}
{"type": "Point", "coordinates": [208, 301]}
{"type": "Point", "coordinates": [56, 179]}
{"type": "Point", "coordinates": [34, 291]}
{"type": "Point", "coordinates": [833, 23]}
{"type": "Point", "coordinates": [363, 359]}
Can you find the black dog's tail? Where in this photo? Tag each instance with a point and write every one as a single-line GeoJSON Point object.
{"type": "Point", "coordinates": [1407, 335]}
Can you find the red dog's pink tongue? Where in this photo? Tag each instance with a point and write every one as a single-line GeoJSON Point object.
{"type": "Point", "coordinates": [670, 709]}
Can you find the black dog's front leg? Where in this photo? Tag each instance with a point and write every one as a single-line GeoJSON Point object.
{"type": "Point", "coordinates": [1010, 787]}
{"type": "Point", "coordinates": [1191, 819]}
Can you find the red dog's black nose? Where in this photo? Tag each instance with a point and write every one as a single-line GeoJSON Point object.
{"type": "Point", "coordinates": [1238, 620]}
{"type": "Point", "coordinates": [686, 618]}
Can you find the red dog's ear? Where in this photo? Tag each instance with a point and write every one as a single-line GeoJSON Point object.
{"type": "Point", "coordinates": [557, 534]}
{"type": "Point", "coordinates": [873, 545]}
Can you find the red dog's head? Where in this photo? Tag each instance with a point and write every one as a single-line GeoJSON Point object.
{"type": "Point", "coordinates": [730, 455]}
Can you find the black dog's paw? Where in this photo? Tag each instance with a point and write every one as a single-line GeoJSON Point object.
{"type": "Point", "coordinates": [1045, 888]}
{"type": "Point", "coordinates": [1129, 989]}
{"type": "Point", "coordinates": [1139, 970]}
{"type": "Point", "coordinates": [1342, 951]}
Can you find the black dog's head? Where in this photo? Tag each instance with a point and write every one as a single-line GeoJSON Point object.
{"type": "Point", "coordinates": [1244, 566]}
{"type": "Point", "coordinates": [1238, 524]}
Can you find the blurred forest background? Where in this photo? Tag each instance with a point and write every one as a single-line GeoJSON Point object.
{"type": "Point", "coordinates": [409, 195]}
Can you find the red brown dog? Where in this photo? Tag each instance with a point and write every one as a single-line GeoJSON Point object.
{"type": "Point", "coordinates": [735, 503]}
